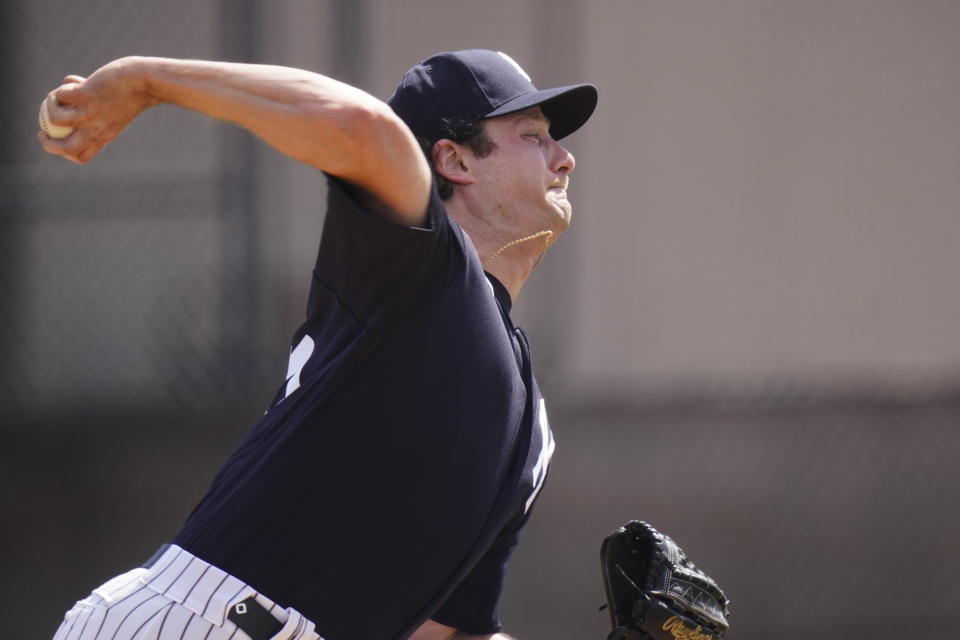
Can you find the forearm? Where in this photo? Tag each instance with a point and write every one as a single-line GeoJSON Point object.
{"type": "Point", "coordinates": [312, 118]}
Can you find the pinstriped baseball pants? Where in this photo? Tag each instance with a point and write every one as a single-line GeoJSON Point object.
{"type": "Point", "coordinates": [180, 597]}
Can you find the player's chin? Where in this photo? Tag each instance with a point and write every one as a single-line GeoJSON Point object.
{"type": "Point", "coordinates": [564, 213]}
{"type": "Point", "coordinates": [558, 201]}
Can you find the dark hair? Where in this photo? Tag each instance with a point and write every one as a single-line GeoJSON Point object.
{"type": "Point", "coordinates": [470, 135]}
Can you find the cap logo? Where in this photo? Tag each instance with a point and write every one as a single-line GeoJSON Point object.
{"type": "Point", "coordinates": [515, 65]}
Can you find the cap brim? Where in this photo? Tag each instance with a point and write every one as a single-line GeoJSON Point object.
{"type": "Point", "coordinates": [568, 108]}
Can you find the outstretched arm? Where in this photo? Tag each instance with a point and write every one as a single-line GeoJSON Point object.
{"type": "Point", "coordinates": [312, 118]}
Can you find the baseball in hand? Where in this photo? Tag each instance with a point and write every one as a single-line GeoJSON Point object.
{"type": "Point", "coordinates": [50, 129]}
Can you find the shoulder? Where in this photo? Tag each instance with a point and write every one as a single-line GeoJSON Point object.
{"type": "Point", "coordinates": [350, 210]}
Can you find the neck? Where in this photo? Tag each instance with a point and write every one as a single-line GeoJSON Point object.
{"type": "Point", "coordinates": [545, 234]}
{"type": "Point", "coordinates": [511, 261]}
{"type": "Point", "coordinates": [513, 271]}
{"type": "Point", "coordinates": [507, 251]}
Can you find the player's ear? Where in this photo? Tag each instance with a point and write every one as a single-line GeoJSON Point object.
{"type": "Point", "coordinates": [451, 162]}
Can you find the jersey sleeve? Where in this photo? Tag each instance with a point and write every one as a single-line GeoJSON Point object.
{"type": "Point", "coordinates": [378, 271]}
{"type": "Point", "coordinates": [473, 606]}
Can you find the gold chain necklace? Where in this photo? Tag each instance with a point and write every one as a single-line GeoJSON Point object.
{"type": "Point", "coordinates": [545, 234]}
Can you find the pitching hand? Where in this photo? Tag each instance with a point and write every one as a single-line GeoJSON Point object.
{"type": "Point", "coordinates": [98, 108]}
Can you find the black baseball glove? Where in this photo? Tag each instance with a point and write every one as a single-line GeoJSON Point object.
{"type": "Point", "coordinates": [654, 592]}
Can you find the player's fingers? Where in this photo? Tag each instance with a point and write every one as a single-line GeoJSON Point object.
{"type": "Point", "coordinates": [53, 145]}
{"type": "Point", "coordinates": [68, 94]}
{"type": "Point", "coordinates": [66, 116]}
{"type": "Point", "coordinates": [73, 79]}
{"type": "Point", "coordinates": [73, 153]}
{"type": "Point", "coordinates": [78, 146]}
{"type": "Point", "coordinates": [63, 114]}
{"type": "Point", "coordinates": [87, 154]}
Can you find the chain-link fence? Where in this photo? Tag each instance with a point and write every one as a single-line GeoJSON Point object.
{"type": "Point", "coordinates": [130, 283]}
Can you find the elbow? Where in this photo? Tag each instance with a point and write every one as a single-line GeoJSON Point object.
{"type": "Point", "coordinates": [362, 141]}
{"type": "Point", "coordinates": [358, 135]}
{"type": "Point", "coordinates": [373, 125]}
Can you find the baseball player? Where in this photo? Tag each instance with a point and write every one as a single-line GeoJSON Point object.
{"type": "Point", "coordinates": [382, 493]}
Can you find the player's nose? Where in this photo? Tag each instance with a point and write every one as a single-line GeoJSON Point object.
{"type": "Point", "coordinates": [563, 161]}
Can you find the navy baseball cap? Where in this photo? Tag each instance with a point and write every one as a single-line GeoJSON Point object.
{"type": "Point", "coordinates": [443, 94]}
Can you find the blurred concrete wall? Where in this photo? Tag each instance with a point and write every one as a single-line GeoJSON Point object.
{"type": "Point", "coordinates": [750, 335]}
{"type": "Point", "coordinates": [767, 197]}
{"type": "Point", "coordinates": [773, 195]}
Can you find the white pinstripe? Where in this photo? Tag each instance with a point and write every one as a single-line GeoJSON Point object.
{"type": "Point", "coordinates": [180, 597]}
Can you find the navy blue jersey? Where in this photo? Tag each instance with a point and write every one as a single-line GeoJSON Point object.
{"type": "Point", "coordinates": [390, 477]}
